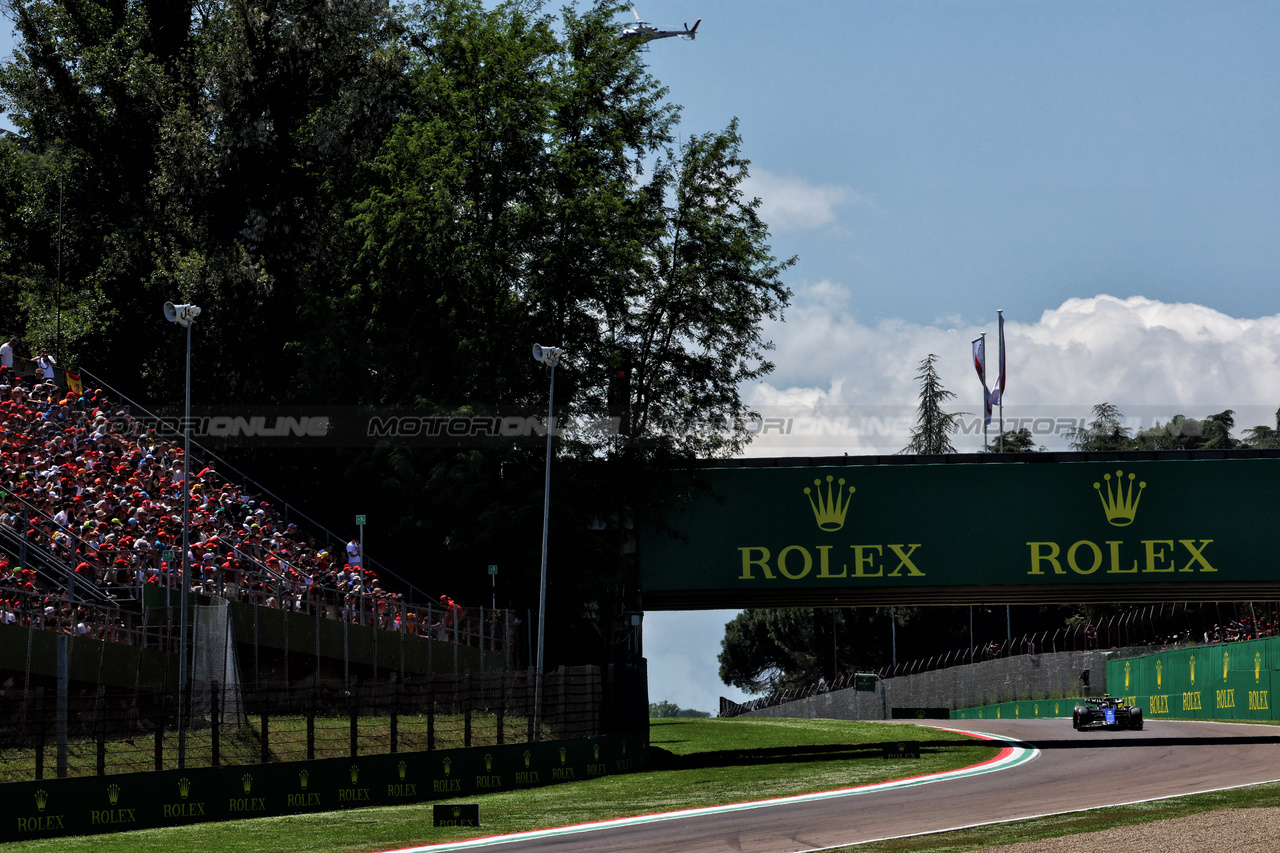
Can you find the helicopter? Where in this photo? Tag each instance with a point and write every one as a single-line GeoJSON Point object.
{"type": "Point", "coordinates": [642, 33]}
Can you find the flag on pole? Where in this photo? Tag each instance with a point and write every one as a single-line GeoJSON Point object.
{"type": "Point", "coordinates": [73, 383]}
{"type": "Point", "coordinates": [997, 391]}
{"type": "Point", "coordinates": [980, 365]}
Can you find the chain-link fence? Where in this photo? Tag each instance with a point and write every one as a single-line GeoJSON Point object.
{"type": "Point", "coordinates": [1049, 675]}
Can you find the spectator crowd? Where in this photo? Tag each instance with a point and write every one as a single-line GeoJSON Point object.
{"type": "Point", "coordinates": [99, 497]}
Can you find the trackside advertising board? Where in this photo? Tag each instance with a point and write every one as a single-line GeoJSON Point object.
{"type": "Point", "coordinates": [95, 804]}
{"type": "Point", "coordinates": [1146, 530]}
{"type": "Point", "coordinates": [1219, 681]}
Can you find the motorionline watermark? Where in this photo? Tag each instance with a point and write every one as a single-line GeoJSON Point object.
{"type": "Point", "coordinates": [1050, 427]}
{"type": "Point", "coordinates": [356, 427]}
{"type": "Point", "coordinates": [861, 428]}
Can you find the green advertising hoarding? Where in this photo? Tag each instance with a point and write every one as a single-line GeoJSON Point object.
{"type": "Point", "coordinates": [1222, 681]}
{"type": "Point", "coordinates": [112, 803]}
{"type": "Point", "coordinates": [1135, 529]}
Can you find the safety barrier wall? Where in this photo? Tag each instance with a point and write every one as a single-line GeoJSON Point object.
{"type": "Point", "coordinates": [1221, 681]}
{"type": "Point", "coordinates": [1230, 681]}
{"type": "Point", "coordinates": [98, 804]}
{"type": "Point", "coordinates": [1020, 677]}
{"type": "Point", "coordinates": [1023, 710]}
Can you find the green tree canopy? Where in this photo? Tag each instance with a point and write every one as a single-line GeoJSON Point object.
{"type": "Point", "coordinates": [934, 427]}
{"type": "Point", "coordinates": [1105, 432]}
{"type": "Point", "coordinates": [1015, 441]}
{"type": "Point", "coordinates": [378, 205]}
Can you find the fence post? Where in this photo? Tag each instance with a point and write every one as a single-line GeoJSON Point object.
{"type": "Point", "coordinates": [395, 697]}
{"type": "Point", "coordinates": [466, 709]}
{"type": "Point", "coordinates": [354, 705]}
{"type": "Point", "coordinates": [40, 731]}
{"type": "Point", "coordinates": [184, 719]}
{"type": "Point", "coordinates": [502, 704]}
{"type": "Point", "coordinates": [311, 713]}
{"type": "Point", "coordinates": [564, 699]}
{"type": "Point", "coordinates": [528, 704]}
{"type": "Point", "coordinates": [159, 712]}
{"type": "Point", "coordinates": [215, 723]}
{"type": "Point", "coordinates": [264, 710]}
{"type": "Point", "coordinates": [100, 729]}
{"type": "Point", "coordinates": [431, 711]}
{"type": "Point", "coordinates": [60, 718]}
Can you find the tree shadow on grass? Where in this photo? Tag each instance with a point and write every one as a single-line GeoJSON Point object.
{"type": "Point", "coordinates": [661, 759]}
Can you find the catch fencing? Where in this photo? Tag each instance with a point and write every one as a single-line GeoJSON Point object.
{"type": "Point", "coordinates": [48, 732]}
{"type": "Point", "coordinates": [988, 682]}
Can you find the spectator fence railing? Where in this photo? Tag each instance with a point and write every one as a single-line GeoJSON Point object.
{"type": "Point", "coordinates": [101, 731]}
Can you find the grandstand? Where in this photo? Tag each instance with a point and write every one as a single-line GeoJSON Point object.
{"type": "Point", "coordinates": [92, 521]}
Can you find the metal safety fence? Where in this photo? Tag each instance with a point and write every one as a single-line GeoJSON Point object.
{"type": "Point", "coordinates": [48, 732]}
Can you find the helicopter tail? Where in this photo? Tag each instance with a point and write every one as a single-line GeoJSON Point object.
{"type": "Point", "coordinates": [693, 33]}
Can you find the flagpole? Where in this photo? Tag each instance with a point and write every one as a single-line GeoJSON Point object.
{"type": "Point", "coordinates": [986, 422]}
{"type": "Point", "coordinates": [1000, 320]}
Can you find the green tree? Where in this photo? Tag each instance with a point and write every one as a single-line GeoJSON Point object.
{"type": "Point", "coordinates": [667, 710]}
{"type": "Point", "coordinates": [1105, 432]}
{"type": "Point", "coordinates": [934, 427]}
{"type": "Point", "coordinates": [1183, 433]}
{"type": "Point", "coordinates": [184, 145]}
{"type": "Point", "coordinates": [1263, 436]}
{"type": "Point", "coordinates": [765, 650]}
{"type": "Point", "coordinates": [531, 192]}
{"type": "Point", "coordinates": [1015, 441]}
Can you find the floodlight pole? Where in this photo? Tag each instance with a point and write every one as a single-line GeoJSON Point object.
{"type": "Point", "coordinates": [551, 356]}
{"type": "Point", "coordinates": [183, 315]}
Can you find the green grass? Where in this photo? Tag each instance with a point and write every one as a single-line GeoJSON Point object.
{"type": "Point", "coordinates": [287, 741]}
{"type": "Point", "coordinates": [697, 762]}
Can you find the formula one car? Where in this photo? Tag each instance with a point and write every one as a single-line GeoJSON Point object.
{"type": "Point", "coordinates": [1106, 712]}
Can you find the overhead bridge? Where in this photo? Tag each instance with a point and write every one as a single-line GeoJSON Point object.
{"type": "Point", "coordinates": [1027, 528]}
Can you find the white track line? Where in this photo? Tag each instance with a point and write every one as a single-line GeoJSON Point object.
{"type": "Point", "coordinates": [1014, 754]}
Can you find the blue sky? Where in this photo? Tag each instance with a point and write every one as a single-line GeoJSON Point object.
{"type": "Point", "coordinates": [1107, 173]}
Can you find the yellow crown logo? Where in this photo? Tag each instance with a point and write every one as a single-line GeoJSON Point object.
{"type": "Point", "coordinates": [302, 779]}
{"type": "Point", "coordinates": [1226, 664]}
{"type": "Point", "coordinates": [595, 751]}
{"type": "Point", "coordinates": [624, 746]}
{"type": "Point", "coordinates": [829, 510]}
{"type": "Point", "coordinates": [1120, 505]}
{"type": "Point", "coordinates": [1159, 673]}
{"type": "Point", "coordinates": [113, 793]}
{"type": "Point", "coordinates": [1126, 675]}
{"type": "Point", "coordinates": [528, 756]}
{"type": "Point", "coordinates": [488, 761]}
{"type": "Point", "coordinates": [42, 799]}
{"type": "Point", "coordinates": [247, 779]}
{"type": "Point", "coordinates": [355, 774]}
{"type": "Point", "coordinates": [1257, 667]}
{"type": "Point", "coordinates": [448, 763]}
{"type": "Point", "coordinates": [1193, 670]}
{"type": "Point", "coordinates": [457, 811]}
{"type": "Point", "coordinates": [184, 787]}
{"type": "Point", "coordinates": [563, 754]}
{"type": "Point", "coordinates": [403, 768]}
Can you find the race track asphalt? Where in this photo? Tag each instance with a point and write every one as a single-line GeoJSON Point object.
{"type": "Point", "coordinates": [1074, 771]}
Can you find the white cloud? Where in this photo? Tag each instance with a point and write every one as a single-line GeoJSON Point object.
{"type": "Point", "coordinates": [1152, 359]}
{"type": "Point", "coordinates": [793, 204]}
